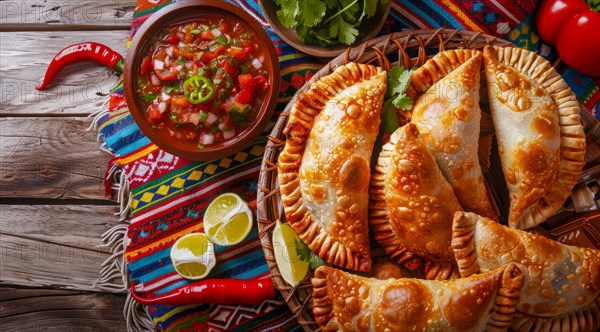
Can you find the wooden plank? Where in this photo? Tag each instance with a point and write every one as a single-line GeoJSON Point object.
{"type": "Point", "coordinates": [58, 310]}
{"type": "Point", "coordinates": [50, 158]}
{"type": "Point", "coordinates": [77, 90]}
{"type": "Point", "coordinates": [53, 246]}
{"type": "Point", "coordinates": [32, 14]}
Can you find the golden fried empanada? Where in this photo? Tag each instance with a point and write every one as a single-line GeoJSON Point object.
{"type": "Point", "coordinates": [540, 136]}
{"type": "Point", "coordinates": [324, 168]}
{"type": "Point", "coordinates": [485, 302]}
{"type": "Point", "coordinates": [412, 205]}
{"type": "Point", "coordinates": [562, 283]}
{"type": "Point", "coordinates": [446, 111]}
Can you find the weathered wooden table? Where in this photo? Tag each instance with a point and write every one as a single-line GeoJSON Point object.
{"type": "Point", "coordinates": [52, 205]}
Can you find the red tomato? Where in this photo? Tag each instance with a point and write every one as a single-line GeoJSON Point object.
{"type": "Point", "coordinates": [553, 15]}
{"type": "Point", "coordinates": [153, 112]}
{"type": "Point", "coordinates": [239, 53]}
{"type": "Point", "coordinates": [262, 82]}
{"type": "Point", "coordinates": [210, 56]}
{"type": "Point", "coordinates": [244, 97]}
{"type": "Point", "coordinates": [165, 75]}
{"type": "Point", "coordinates": [575, 30]}
{"type": "Point", "coordinates": [224, 27]}
{"type": "Point", "coordinates": [229, 68]}
{"type": "Point", "coordinates": [247, 82]}
{"type": "Point", "coordinates": [172, 39]}
{"type": "Point", "coordinates": [146, 65]}
{"type": "Point", "coordinates": [579, 43]}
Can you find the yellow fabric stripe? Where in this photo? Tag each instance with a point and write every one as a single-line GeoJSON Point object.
{"type": "Point", "coordinates": [465, 18]}
{"type": "Point", "coordinates": [172, 312]}
{"type": "Point", "coordinates": [132, 254]}
{"type": "Point", "coordinates": [297, 67]}
{"type": "Point", "coordinates": [138, 155]}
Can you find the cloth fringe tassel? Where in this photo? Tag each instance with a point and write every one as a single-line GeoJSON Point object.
{"type": "Point", "coordinates": [113, 273]}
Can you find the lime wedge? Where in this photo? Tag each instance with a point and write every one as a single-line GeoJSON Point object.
{"type": "Point", "coordinates": [293, 269]}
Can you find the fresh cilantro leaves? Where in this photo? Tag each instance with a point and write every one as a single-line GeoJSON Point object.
{"type": "Point", "coordinates": [328, 22]}
{"type": "Point", "coordinates": [149, 97]}
{"type": "Point", "coordinates": [307, 255]}
{"type": "Point", "coordinates": [395, 98]}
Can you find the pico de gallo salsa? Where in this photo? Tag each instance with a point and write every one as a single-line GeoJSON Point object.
{"type": "Point", "coordinates": [203, 81]}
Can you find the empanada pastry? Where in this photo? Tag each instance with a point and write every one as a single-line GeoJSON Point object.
{"type": "Point", "coordinates": [485, 302]}
{"type": "Point", "coordinates": [324, 167]}
{"type": "Point", "coordinates": [446, 111]}
{"type": "Point", "coordinates": [412, 205]}
{"type": "Point", "coordinates": [562, 283]}
{"type": "Point", "coordinates": [540, 136]}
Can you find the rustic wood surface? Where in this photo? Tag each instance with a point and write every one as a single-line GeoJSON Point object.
{"type": "Point", "coordinates": [52, 205]}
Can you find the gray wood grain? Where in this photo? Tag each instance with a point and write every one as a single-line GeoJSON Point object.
{"type": "Point", "coordinates": [50, 158]}
{"type": "Point", "coordinates": [59, 310]}
{"type": "Point", "coordinates": [77, 90]}
{"type": "Point", "coordinates": [47, 15]}
{"type": "Point", "coordinates": [53, 246]}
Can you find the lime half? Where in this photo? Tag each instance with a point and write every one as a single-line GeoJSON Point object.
{"type": "Point", "coordinates": [292, 268]}
{"type": "Point", "coordinates": [193, 256]}
{"type": "Point", "coordinates": [227, 220]}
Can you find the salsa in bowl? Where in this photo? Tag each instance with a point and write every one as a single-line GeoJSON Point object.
{"type": "Point", "coordinates": [201, 79]}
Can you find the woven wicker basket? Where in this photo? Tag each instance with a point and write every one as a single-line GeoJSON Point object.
{"type": "Point", "coordinates": [577, 223]}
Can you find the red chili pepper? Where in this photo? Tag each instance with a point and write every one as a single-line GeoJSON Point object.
{"type": "Point", "coordinates": [223, 291]}
{"type": "Point", "coordinates": [80, 52]}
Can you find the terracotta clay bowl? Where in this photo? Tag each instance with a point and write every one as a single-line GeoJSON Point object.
{"type": "Point", "coordinates": [186, 11]}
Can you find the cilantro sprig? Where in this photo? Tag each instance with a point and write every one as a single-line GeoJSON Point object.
{"type": "Point", "coordinates": [395, 98]}
{"type": "Point", "coordinates": [305, 254]}
{"type": "Point", "coordinates": [328, 22]}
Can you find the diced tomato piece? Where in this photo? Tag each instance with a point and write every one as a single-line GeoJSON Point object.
{"type": "Point", "coordinates": [188, 52]}
{"type": "Point", "coordinates": [161, 54]}
{"type": "Point", "coordinates": [248, 83]}
{"type": "Point", "coordinates": [153, 112]}
{"type": "Point", "coordinates": [172, 39]}
{"type": "Point", "coordinates": [210, 56]}
{"type": "Point", "coordinates": [165, 75]}
{"type": "Point", "coordinates": [189, 37]}
{"type": "Point", "coordinates": [180, 101]}
{"type": "Point", "coordinates": [244, 97]}
{"type": "Point", "coordinates": [223, 27]}
{"type": "Point", "coordinates": [239, 53]}
{"type": "Point", "coordinates": [262, 82]}
{"type": "Point", "coordinates": [231, 70]}
{"type": "Point", "coordinates": [207, 35]}
{"type": "Point", "coordinates": [146, 65]}
{"type": "Point", "coordinates": [244, 79]}
{"type": "Point", "coordinates": [188, 133]}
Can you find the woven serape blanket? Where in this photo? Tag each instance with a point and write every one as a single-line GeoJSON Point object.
{"type": "Point", "coordinates": [164, 197]}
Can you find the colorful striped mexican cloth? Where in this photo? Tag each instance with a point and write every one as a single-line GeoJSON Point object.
{"type": "Point", "coordinates": [169, 194]}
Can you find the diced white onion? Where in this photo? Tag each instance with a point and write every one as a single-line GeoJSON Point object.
{"type": "Point", "coordinates": [256, 64]}
{"type": "Point", "coordinates": [168, 61]}
{"type": "Point", "coordinates": [212, 118]}
{"type": "Point", "coordinates": [162, 107]}
{"type": "Point", "coordinates": [222, 126]}
{"type": "Point", "coordinates": [164, 96]}
{"type": "Point", "coordinates": [189, 65]}
{"type": "Point", "coordinates": [227, 36]}
{"type": "Point", "coordinates": [207, 139]}
{"type": "Point", "coordinates": [236, 48]}
{"type": "Point", "coordinates": [170, 50]}
{"type": "Point", "coordinates": [180, 35]}
{"type": "Point", "coordinates": [159, 65]}
{"type": "Point", "coordinates": [195, 118]}
{"type": "Point", "coordinates": [261, 59]}
{"type": "Point", "coordinates": [179, 68]}
{"type": "Point", "coordinates": [216, 32]}
{"type": "Point", "coordinates": [155, 81]}
{"type": "Point", "coordinates": [229, 134]}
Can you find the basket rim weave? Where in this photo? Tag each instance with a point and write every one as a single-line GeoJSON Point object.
{"type": "Point", "coordinates": [376, 50]}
